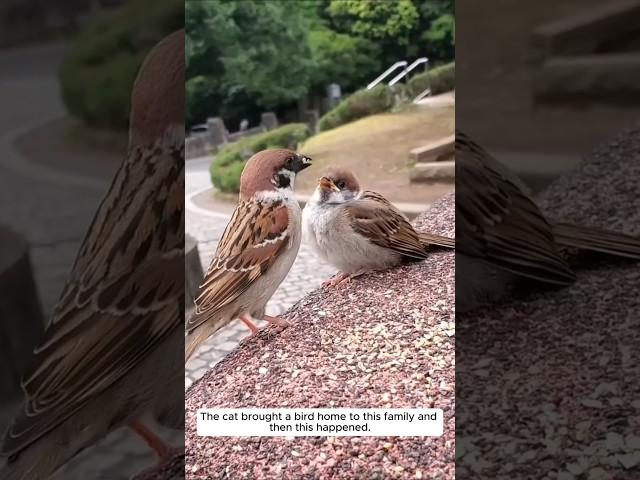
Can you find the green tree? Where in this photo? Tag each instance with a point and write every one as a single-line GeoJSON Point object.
{"type": "Point", "coordinates": [341, 58]}
{"type": "Point", "coordinates": [402, 29]}
{"type": "Point", "coordinates": [437, 28]}
{"type": "Point", "coordinates": [247, 56]}
{"type": "Point", "coordinates": [389, 22]}
{"type": "Point", "coordinates": [243, 57]}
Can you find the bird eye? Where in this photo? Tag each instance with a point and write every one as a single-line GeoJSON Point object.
{"type": "Point", "coordinates": [340, 184]}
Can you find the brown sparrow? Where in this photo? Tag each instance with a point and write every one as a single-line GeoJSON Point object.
{"type": "Point", "coordinates": [256, 250]}
{"type": "Point", "coordinates": [360, 231]}
{"type": "Point", "coordinates": [498, 225]}
{"type": "Point", "coordinates": [119, 318]}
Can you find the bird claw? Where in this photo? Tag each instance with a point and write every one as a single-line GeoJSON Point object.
{"type": "Point", "coordinates": [341, 279]}
{"type": "Point", "coordinates": [281, 323]}
{"type": "Point", "coordinates": [337, 279]}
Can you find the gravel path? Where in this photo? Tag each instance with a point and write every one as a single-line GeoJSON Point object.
{"type": "Point", "coordinates": [548, 385]}
{"type": "Point", "coordinates": [385, 340]}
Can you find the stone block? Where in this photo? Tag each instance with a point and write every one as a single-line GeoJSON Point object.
{"type": "Point", "coordinates": [269, 120]}
{"type": "Point", "coordinates": [21, 320]}
{"type": "Point", "coordinates": [218, 133]}
{"type": "Point", "coordinates": [193, 269]}
{"type": "Point", "coordinates": [587, 31]}
{"type": "Point", "coordinates": [433, 172]}
{"type": "Point", "coordinates": [439, 150]}
{"type": "Point", "coordinates": [610, 77]}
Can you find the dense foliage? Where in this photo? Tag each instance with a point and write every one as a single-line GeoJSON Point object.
{"type": "Point", "coordinates": [245, 57]}
{"type": "Point", "coordinates": [225, 171]}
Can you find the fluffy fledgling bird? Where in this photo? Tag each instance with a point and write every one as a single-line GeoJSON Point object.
{"type": "Point", "coordinates": [501, 233]}
{"type": "Point", "coordinates": [256, 250]}
{"type": "Point", "coordinates": [111, 354]}
{"type": "Point", "coordinates": [360, 231]}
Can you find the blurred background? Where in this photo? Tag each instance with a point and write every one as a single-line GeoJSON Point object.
{"type": "Point", "coordinates": [366, 85]}
{"type": "Point", "coordinates": [552, 90]}
{"type": "Point", "coordinates": [300, 69]}
{"type": "Point", "coordinates": [66, 72]}
{"type": "Point", "coordinates": [542, 85]}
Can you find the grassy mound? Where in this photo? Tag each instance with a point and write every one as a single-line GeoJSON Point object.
{"type": "Point", "coordinates": [377, 149]}
{"type": "Point", "coordinates": [361, 104]}
{"type": "Point", "coordinates": [440, 79]}
{"type": "Point", "coordinates": [364, 103]}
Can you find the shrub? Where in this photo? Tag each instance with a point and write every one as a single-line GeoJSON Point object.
{"type": "Point", "coordinates": [227, 178]}
{"type": "Point", "coordinates": [98, 72]}
{"type": "Point", "coordinates": [228, 163]}
{"type": "Point", "coordinates": [361, 104]}
{"type": "Point", "coordinates": [441, 79]}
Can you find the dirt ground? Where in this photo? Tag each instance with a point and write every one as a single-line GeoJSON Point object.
{"type": "Point", "coordinates": [377, 149]}
{"type": "Point", "coordinates": [494, 81]}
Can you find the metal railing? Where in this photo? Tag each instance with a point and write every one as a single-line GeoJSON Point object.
{"type": "Point", "coordinates": [425, 93]}
{"type": "Point", "coordinates": [386, 73]}
{"type": "Point", "coordinates": [405, 71]}
{"type": "Point", "coordinates": [408, 69]}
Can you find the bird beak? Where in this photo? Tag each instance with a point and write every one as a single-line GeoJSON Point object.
{"type": "Point", "coordinates": [326, 184]}
{"type": "Point", "coordinates": [301, 162]}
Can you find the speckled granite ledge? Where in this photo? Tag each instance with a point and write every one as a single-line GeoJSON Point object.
{"type": "Point", "coordinates": [385, 340]}
{"type": "Point", "coordinates": [548, 385]}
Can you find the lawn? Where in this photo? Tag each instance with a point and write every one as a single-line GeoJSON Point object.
{"type": "Point", "coordinates": [377, 149]}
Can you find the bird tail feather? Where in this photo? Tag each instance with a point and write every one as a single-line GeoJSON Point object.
{"type": "Point", "coordinates": [40, 461]}
{"type": "Point", "coordinates": [191, 343]}
{"type": "Point", "coordinates": [431, 239]}
{"type": "Point", "coordinates": [597, 240]}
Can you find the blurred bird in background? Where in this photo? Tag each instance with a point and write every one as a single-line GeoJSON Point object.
{"type": "Point", "coordinates": [502, 235]}
{"type": "Point", "coordinates": [111, 354]}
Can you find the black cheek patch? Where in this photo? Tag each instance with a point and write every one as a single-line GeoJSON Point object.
{"type": "Point", "coordinates": [283, 181]}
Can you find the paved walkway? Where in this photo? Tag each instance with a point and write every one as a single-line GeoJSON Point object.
{"type": "Point", "coordinates": [207, 227]}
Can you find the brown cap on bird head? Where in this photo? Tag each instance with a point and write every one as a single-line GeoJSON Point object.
{"type": "Point", "coordinates": [339, 178]}
{"type": "Point", "coordinates": [158, 98]}
{"type": "Point", "coordinates": [271, 169]}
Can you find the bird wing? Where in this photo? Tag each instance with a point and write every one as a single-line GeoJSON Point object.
{"type": "Point", "coordinates": [256, 234]}
{"type": "Point", "coordinates": [374, 217]}
{"type": "Point", "coordinates": [125, 295]}
{"type": "Point", "coordinates": [497, 221]}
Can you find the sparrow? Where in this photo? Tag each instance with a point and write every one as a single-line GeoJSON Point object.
{"type": "Point", "coordinates": [502, 234]}
{"type": "Point", "coordinates": [256, 250]}
{"type": "Point", "coordinates": [119, 320]}
{"type": "Point", "coordinates": [359, 231]}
